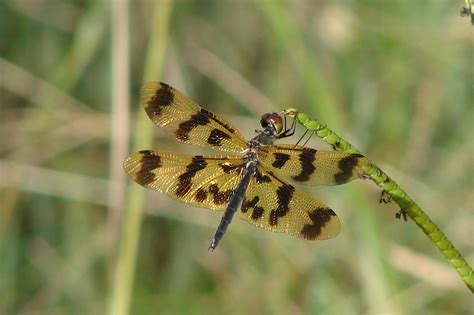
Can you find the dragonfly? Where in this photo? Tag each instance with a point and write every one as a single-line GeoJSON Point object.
{"type": "Point", "coordinates": [253, 177]}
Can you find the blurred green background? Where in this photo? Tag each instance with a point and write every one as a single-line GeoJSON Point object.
{"type": "Point", "coordinates": [393, 77]}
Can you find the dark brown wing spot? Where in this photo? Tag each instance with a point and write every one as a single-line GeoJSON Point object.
{"type": "Point", "coordinates": [163, 97]}
{"type": "Point", "coordinates": [185, 127]}
{"type": "Point", "coordinates": [280, 159]}
{"type": "Point", "coordinates": [246, 205]}
{"type": "Point", "coordinates": [260, 178]}
{"type": "Point", "coordinates": [319, 218]}
{"type": "Point", "coordinates": [347, 165]}
{"type": "Point", "coordinates": [219, 197]}
{"type": "Point", "coordinates": [216, 137]}
{"type": "Point", "coordinates": [306, 158]}
{"type": "Point", "coordinates": [223, 197]}
{"type": "Point", "coordinates": [284, 195]}
{"type": "Point", "coordinates": [185, 180]}
{"type": "Point", "coordinates": [257, 212]}
{"type": "Point", "coordinates": [214, 188]}
{"type": "Point", "coordinates": [201, 195]}
{"type": "Point", "coordinates": [214, 117]}
{"type": "Point", "coordinates": [227, 168]}
{"type": "Point", "coordinates": [148, 162]}
{"type": "Point", "coordinates": [201, 118]}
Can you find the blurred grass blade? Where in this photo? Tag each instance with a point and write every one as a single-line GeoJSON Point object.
{"type": "Point", "coordinates": [122, 283]}
{"type": "Point", "coordinates": [88, 36]}
{"type": "Point", "coordinates": [119, 125]}
{"type": "Point", "coordinates": [292, 43]}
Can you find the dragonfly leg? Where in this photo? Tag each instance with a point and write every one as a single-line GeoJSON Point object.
{"type": "Point", "coordinates": [401, 214]}
{"type": "Point", "coordinates": [385, 197]}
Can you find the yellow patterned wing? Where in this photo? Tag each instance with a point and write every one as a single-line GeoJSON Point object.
{"type": "Point", "coordinates": [202, 181]}
{"type": "Point", "coordinates": [312, 167]}
{"type": "Point", "coordinates": [273, 204]}
{"type": "Point", "coordinates": [186, 121]}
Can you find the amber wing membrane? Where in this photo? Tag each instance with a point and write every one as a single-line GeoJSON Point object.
{"type": "Point", "coordinates": [273, 204]}
{"type": "Point", "coordinates": [312, 167]}
{"type": "Point", "coordinates": [188, 122]}
{"type": "Point", "coordinates": [202, 181]}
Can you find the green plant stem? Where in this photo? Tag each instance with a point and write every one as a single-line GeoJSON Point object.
{"type": "Point", "coordinates": [396, 193]}
{"type": "Point", "coordinates": [468, 10]}
{"type": "Point", "coordinates": [122, 284]}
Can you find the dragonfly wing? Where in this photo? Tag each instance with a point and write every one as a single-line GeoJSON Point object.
{"type": "Point", "coordinates": [312, 167]}
{"type": "Point", "coordinates": [202, 181]}
{"type": "Point", "coordinates": [273, 204]}
{"type": "Point", "coordinates": [186, 121]}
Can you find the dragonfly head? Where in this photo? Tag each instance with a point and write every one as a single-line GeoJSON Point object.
{"type": "Point", "coordinates": [272, 123]}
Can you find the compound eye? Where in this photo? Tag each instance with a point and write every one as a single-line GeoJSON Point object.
{"type": "Point", "coordinates": [272, 120]}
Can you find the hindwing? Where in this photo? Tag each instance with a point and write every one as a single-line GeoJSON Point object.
{"type": "Point", "coordinates": [273, 204]}
{"type": "Point", "coordinates": [310, 166]}
{"type": "Point", "coordinates": [202, 181]}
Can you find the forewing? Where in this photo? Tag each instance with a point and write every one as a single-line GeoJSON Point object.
{"type": "Point", "coordinates": [188, 122]}
{"type": "Point", "coordinates": [273, 204]}
{"type": "Point", "coordinates": [202, 181]}
{"type": "Point", "coordinates": [312, 167]}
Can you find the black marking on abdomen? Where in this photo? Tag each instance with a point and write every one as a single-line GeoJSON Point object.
{"type": "Point", "coordinates": [306, 158]}
{"type": "Point", "coordinates": [319, 218]}
{"type": "Point", "coordinates": [284, 196]}
{"type": "Point", "coordinates": [185, 180]}
{"type": "Point", "coordinates": [234, 202]}
{"type": "Point", "coordinates": [163, 97]}
{"type": "Point", "coordinates": [280, 159]}
{"type": "Point", "coordinates": [148, 162]}
{"type": "Point", "coordinates": [347, 165]}
{"type": "Point", "coordinates": [216, 136]}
